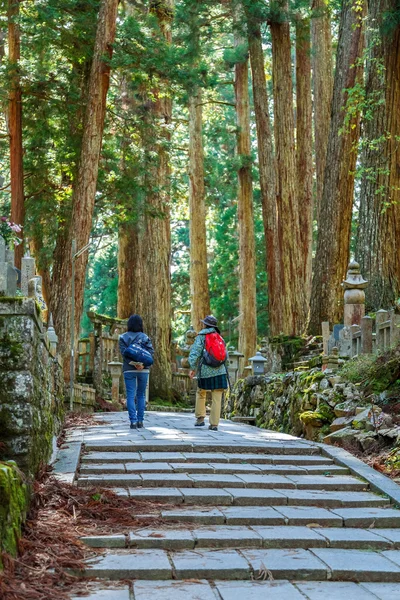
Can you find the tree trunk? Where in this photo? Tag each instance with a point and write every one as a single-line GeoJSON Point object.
{"type": "Point", "coordinates": [199, 291]}
{"type": "Point", "coordinates": [333, 245]}
{"type": "Point", "coordinates": [247, 259]}
{"type": "Point", "coordinates": [154, 298]}
{"type": "Point", "coordinates": [86, 181]}
{"type": "Point", "coordinates": [267, 166]}
{"type": "Point", "coordinates": [294, 304]}
{"type": "Point", "coordinates": [304, 147]}
{"type": "Point", "coordinates": [15, 124]}
{"type": "Point", "coordinates": [128, 269]}
{"type": "Point", "coordinates": [322, 67]}
{"type": "Point", "coordinates": [378, 240]}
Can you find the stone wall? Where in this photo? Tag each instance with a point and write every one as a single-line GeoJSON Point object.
{"type": "Point", "coordinates": [31, 386]}
{"type": "Point", "coordinates": [14, 501]}
{"type": "Point", "coordinates": [299, 403]}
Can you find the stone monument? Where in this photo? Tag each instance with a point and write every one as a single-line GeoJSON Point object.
{"type": "Point", "coordinates": [354, 295]}
{"type": "Point", "coordinates": [8, 275]}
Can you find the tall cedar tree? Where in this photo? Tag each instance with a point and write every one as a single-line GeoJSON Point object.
{"type": "Point", "coordinates": [304, 147]}
{"type": "Point", "coordinates": [378, 240]}
{"type": "Point", "coordinates": [267, 167]}
{"type": "Point", "coordinates": [294, 293]}
{"type": "Point", "coordinates": [199, 290]}
{"type": "Point", "coordinates": [153, 294]}
{"type": "Point", "coordinates": [86, 181]}
{"type": "Point", "coordinates": [247, 259]}
{"type": "Point", "coordinates": [15, 123]}
{"type": "Point", "coordinates": [333, 246]}
{"type": "Point", "coordinates": [322, 68]}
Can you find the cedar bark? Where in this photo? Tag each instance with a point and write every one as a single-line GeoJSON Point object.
{"type": "Point", "coordinates": [322, 67]}
{"type": "Point", "coordinates": [154, 284]}
{"type": "Point", "coordinates": [267, 166]}
{"type": "Point", "coordinates": [304, 147]}
{"type": "Point", "coordinates": [86, 181]}
{"type": "Point", "coordinates": [333, 246]}
{"type": "Point", "coordinates": [199, 290]}
{"type": "Point", "coordinates": [294, 304]}
{"type": "Point", "coordinates": [15, 124]}
{"type": "Point", "coordinates": [378, 240]}
{"type": "Point", "coordinates": [247, 260]}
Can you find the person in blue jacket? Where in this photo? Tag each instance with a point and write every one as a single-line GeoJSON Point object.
{"type": "Point", "coordinates": [135, 375]}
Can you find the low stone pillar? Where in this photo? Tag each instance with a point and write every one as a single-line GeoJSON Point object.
{"type": "Point", "coordinates": [325, 336]}
{"type": "Point", "coordinates": [8, 275]}
{"type": "Point", "coordinates": [333, 360]}
{"type": "Point", "coordinates": [381, 317]}
{"type": "Point", "coordinates": [115, 371]}
{"type": "Point", "coordinates": [28, 272]}
{"type": "Point", "coordinates": [354, 295]}
{"type": "Point", "coordinates": [366, 335]}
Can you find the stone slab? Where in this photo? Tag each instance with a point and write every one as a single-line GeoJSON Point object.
{"type": "Point", "coordinates": [217, 481]}
{"type": "Point", "coordinates": [304, 460]}
{"type": "Point", "coordinates": [134, 564]}
{"type": "Point", "coordinates": [209, 516]}
{"type": "Point", "coordinates": [123, 480]}
{"type": "Point", "coordinates": [393, 556]}
{"type": "Point", "coordinates": [150, 467]}
{"type": "Point", "coordinates": [383, 591]}
{"type": "Point", "coordinates": [334, 499]}
{"type": "Point", "coordinates": [367, 517]}
{"type": "Point", "coordinates": [234, 468]}
{"type": "Point", "coordinates": [358, 565]}
{"type": "Point", "coordinates": [252, 515]}
{"type": "Point", "coordinates": [111, 457]}
{"type": "Point", "coordinates": [256, 497]}
{"type": "Point", "coordinates": [203, 496]}
{"type": "Point", "coordinates": [67, 461]}
{"type": "Point", "coordinates": [392, 535]}
{"type": "Point", "coordinates": [94, 469]}
{"type": "Point", "coordinates": [189, 468]}
{"type": "Point", "coordinates": [324, 470]}
{"type": "Point", "coordinates": [321, 482]}
{"type": "Point", "coordinates": [206, 457]}
{"type": "Point", "coordinates": [257, 590]}
{"type": "Point", "coordinates": [333, 590]}
{"type": "Point", "coordinates": [161, 538]}
{"type": "Point", "coordinates": [290, 537]}
{"type": "Point", "coordinates": [266, 481]}
{"type": "Point", "coordinates": [166, 480]}
{"type": "Point", "coordinates": [167, 495]}
{"type": "Point", "coordinates": [104, 541]}
{"type": "Point", "coordinates": [306, 515]}
{"type": "Point", "coordinates": [122, 593]}
{"type": "Point", "coordinates": [162, 456]}
{"type": "Point", "coordinates": [225, 537]}
{"type": "Point", "coordinates": [346, 537]}
{"type": "Point", "coordinates": [178, 590]}
{"type": "Point", "coordinates": [286, 563]}
{"type": "Point", "coordinates": [213, 564]}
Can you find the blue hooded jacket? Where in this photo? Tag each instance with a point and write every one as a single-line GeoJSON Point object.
{"type": "Point", "coordinates": [126, 339]}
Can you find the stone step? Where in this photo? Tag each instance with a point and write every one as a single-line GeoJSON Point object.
{"type": "Point", "coordinates": [298, 564]}
{"type": "Point", "coordinates": [387, 520]}
{"type": "Point", "coordinates": [221, 481]}
{"type": "Point", "coordinates": [204, 457]}
{"type": "Point", "coordinates": [221, 468]}
{"type": "Point", "coordinates": [240, 536]}
{"type": "Point", "coordinates": [159, 446]}
{"type": "Point", "coordinates": [245, 590]}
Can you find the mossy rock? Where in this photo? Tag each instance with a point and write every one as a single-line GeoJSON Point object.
{"type": "Point", "coordinates": [14, 503]}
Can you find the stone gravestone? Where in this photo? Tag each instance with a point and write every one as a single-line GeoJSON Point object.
{"type": "Point", "coordinates": [28, 271]}
{"type": "Point", "coordinates": [8, 275]}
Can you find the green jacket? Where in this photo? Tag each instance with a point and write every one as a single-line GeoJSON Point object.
{"type": "Point", "coordinates": [196, 354]}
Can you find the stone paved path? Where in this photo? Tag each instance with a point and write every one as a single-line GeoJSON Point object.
{"type": "Point", "coordinates": [251, 514]}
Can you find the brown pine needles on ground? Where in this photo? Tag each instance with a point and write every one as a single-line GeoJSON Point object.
{"type": "Point", "coordinates": [60, 514]}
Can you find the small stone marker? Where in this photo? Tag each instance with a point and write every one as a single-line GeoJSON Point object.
{"type": "Point", "coordinates": [28, 271]}
{"type": "Point", "coordinates": [8, 275]}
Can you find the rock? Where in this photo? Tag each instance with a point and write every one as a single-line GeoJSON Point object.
{"type": "Point", "coordinates": [339, 387]}
{"type": "Point", "coordinates": [323, 384]}
{"type": "Point", "coordinates": [345, 409]}
{"type": "Point", "coordinates": [367, 439]}
{"type": "Point", "coordinates": [340, 437]}
{"type": "Point", "coordinates": [365, 419]}
{"type": "Point", "coordinates": [390, 433]}
{"type": "Point", "coordinates": [340, 423]}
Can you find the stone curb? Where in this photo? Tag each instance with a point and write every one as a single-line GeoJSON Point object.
{"type": "Point", "coordinates": [67, 462]}
{"type": "Point", "coordinates": [379, 483]}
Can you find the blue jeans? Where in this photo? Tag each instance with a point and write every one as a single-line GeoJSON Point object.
{"type": "Point", "coordinates": [136, 383]}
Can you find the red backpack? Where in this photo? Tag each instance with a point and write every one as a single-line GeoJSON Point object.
{"type": "Point", "coordinates": [214, 353]}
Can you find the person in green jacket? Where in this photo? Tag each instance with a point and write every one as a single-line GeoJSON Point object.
{"type": "Point", "coordinates": [208, 378]}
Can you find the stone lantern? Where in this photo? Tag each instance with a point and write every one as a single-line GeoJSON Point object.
{"type": "Point", "coordinates": [354, 295]}
{"type": "Point", "coordinates": [257, 363]}
{"type": "Point", "coordinates": [115, 371]}
{"type": "Point", "coordinates": [233, 364]}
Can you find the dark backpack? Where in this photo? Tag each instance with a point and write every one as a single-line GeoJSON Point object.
{"type": "Point", "coordinates": [137, 353]}
{"type": "Point", "coordinates": [214, 353]}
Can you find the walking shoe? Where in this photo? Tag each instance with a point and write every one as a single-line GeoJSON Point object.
{"type": "Point", "coordinates": [134, 425]}
{"type": "Point", "coordinates": [199, 422]}
{"type": "Point", "coordinates": [213, 427]}
{"type": "Point", "coordinates": [140, 425]}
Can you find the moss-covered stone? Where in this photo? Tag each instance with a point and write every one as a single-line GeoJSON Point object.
{"type": "Point", "coordinates": [14, 502]}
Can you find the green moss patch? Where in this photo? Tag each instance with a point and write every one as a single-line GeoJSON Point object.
{"type": "Point", "coordinates": [14, 502]}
